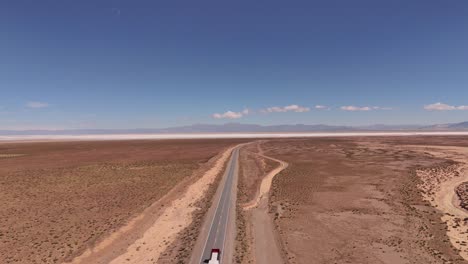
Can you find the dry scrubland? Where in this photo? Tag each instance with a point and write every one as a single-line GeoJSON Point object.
{"type": "Point", "coordinates": [59, 198]}
{"type": "Point", "coordinates": [360, 200]}
{"type": "Point", "coordinates": [342, 200]}
{"type": "Point", "coordinates": [462, 192]}
{"type": "Point", "coordinates": [252, 169]}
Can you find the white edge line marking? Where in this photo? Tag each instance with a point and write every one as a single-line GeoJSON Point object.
{"type": "Point", "coordinates": [227, 220]}
{"type": "Point", "coordinates": [212, 221]}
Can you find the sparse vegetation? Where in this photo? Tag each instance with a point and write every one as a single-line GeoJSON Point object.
{"type": "Point", "coordinates": [62, 197]}
{"type": "Point", "coordinates": [357, 201]}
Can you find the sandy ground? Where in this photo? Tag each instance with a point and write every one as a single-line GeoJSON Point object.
{"type": "Point", "coordinates": [251, 171]}
{"type": "Point", "coordinates": [266, 248]}
{"type": "Point", "coordinates": [256, 225]}
{"type": "Point", "coordinates": [439, 185]}
{"type": "Point", "coordinates": [265, 185]}
{"type": "Point", "coordinates": [61, 198]}
{"type": "Point", "coordinates": [339, 200]}
{"type": "Point", "coordinates": [356, 200]}
{"type": "Point", "coordinates": [265, 237]}
{"type": "Point", "coordinates": [163, 231]}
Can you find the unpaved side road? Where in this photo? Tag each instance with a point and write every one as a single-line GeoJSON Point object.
{"type": "Point", "coordinates": [266, 246]}
{"type": "Point", "coordinates": [266, 182]}
{"type": "Point", "coordinates": [162, 229]}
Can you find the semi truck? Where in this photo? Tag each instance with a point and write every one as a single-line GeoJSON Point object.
{"type": "Point", "coordinates": [214, 257]}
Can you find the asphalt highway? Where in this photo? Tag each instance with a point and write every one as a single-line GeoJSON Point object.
{"type": "Point", "coordinates": [220, 224]}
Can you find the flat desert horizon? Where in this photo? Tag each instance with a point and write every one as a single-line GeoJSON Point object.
{"type": "Point", "coordinates": [347, 199]}
{"type": "Point", "coordinates": [234, 132]}
{"type": "Point", "coordinates": [98, 137]}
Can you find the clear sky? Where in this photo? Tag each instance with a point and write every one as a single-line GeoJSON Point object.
{"type": "Point", "coordinates": [132, 64]}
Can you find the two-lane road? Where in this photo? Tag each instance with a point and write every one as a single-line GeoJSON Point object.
{"type": "Point", "coordinates": [218, 230]}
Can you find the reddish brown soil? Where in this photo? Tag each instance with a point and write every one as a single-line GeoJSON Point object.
{"type": "Point", "coordinates": [180, 250]}
{"type": "Point", "coordinates": [58, 198]}
{"type": "Point", "coordinates": [460, 141]}
{"type": "Point", "coordinates": [352, 201]}
{"type": "Point", "coordinates": [252, 170]}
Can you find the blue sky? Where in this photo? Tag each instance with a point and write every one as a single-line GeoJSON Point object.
{"type": "Point", "coordinates": [127, 64]}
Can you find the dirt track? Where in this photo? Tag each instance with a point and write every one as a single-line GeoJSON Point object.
{"type": "Point", "coordinates": [356, 201]}
{"type": "Point", "coordinates": [439, 187]}
{"type": "Point", "coordinates": [256, 231]}
{"type": "Point", "coordinates": [265, 237]}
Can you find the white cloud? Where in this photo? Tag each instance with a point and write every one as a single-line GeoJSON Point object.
{"type": "Point", "coordinates": [439, 107]}
{"type": "Point", "coordinates": [288, 108]}
{"type": "Point", "coordinates": [35, 104]}
{"type": "Point", "coordinates": [355, 108]}
{"type": "Point", "coordinates": [444, 107]}
{"type": "Point", "coordinates": [321, 107]}
{"type": "Point", "coordinates": [231, 114]}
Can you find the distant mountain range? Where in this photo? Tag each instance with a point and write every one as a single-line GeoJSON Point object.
{"type": "Point", "coordinates": [242, 128]}
{"type": "Point", "coordinates": [454, 126]}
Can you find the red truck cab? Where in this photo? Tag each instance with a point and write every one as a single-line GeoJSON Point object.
{"type": "Point", "coordinates": [215, 256]}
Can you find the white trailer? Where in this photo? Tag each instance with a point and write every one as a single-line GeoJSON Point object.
{"type": "Point", "coordinates": [214, 258]}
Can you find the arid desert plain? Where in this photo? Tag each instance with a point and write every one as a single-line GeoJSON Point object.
{"type": "Point", "coordinates": [383, 199]}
